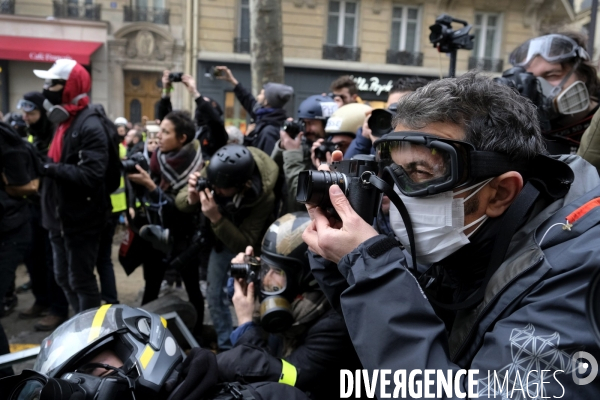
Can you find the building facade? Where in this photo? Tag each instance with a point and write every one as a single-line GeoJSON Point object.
{"type": "Point", "coordinates": [126, 44]}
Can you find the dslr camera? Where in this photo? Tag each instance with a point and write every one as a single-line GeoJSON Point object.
{"type": "Point", "coordinates": [321, 151]}
{"type": "Point", "coordinates": [175, 76]}
{"type": "Point", "coordinates": [202, 184]}
{"type": "Point", "coordinates": [352, 176]}
{"type": "Point", "coordinates": [293, 128]}
{"type": "Point", "coordinates": [249, 270]}
{"type": "Point", "coordinates": [131, 162]}
{"type": "Point", "coordinates": [380, 121]}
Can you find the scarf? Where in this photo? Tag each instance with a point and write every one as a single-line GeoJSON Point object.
{"type": "Point", "coordinates": [306, 309]}
{"type": "Point", "coordinates": [174, 167]}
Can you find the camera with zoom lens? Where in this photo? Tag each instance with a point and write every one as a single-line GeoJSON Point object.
{"type": "Point", "coordinates": [352, 176]}
{"type": "Point", "coordinates": [323, 149]}
{"type": "Point", "coordinates": [249, 270]}
{"type": "Point", "coordinates": [129, 165]}
{"type": "Point", "coordinates": [293, 128]}
{"type": "Point", "coordinates": [202, 184]}
{"type": "Point", "coordinates": [31, 385]}
{"type": "Point", "coordinates": [175, 76]}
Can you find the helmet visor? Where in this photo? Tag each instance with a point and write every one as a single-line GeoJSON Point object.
{"type": "Point", "coordinates": [73, 336]}
{"type": "Point", "coordinates": [273, 280]}
{"type": "Point", "coordinates": [422, 164]}
{"type": "Point", "coordinates": [26, 105]}
{"type": "Point", "coordinates": [552, 48]}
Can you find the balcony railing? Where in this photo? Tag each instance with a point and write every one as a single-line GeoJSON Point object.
{"type": "Point", "coordinates": [147, 14]}
{"type": "Point", "coordinates": [241, 45]}
{"type": "Point", "coordinates": [72, 10]}
{"type": "Point", "coordinates": [7, 6]}
{"type": "Point", "coordinates": [486, 64]}
{"type": "Point", "coordinates": [404, 58]}
{"type": "Point", "coordinates": [334, 52]}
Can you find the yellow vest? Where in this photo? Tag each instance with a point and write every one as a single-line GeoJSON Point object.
{"type": "Point", "coordinates": [118, 199]}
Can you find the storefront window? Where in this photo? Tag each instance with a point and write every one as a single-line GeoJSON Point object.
{"type": "Point", "coordinates": [234, 112]}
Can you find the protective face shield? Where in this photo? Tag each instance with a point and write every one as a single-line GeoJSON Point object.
{"type": "Point", "coordinates": [148, 351]}
{"type": "Point", "coordinates": [275, 298]}
{"type": "Point", "coordinates": [552, 48]}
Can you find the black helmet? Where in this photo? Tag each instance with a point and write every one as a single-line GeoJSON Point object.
{"type": "Point", "coordinates": [137, 337]}
{"type": "Point", "coordinates": [317, 107]}
{"type": "Point", "coordinates": [231, 166]}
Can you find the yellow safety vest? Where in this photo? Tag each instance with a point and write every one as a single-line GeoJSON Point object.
{"type": "Point", "coordinates": [118, 199]}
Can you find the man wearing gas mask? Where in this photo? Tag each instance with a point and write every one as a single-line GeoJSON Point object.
{"type": "Point", "coordinates": [314, 341]}
{"type": "Point", "coordinates": [75, 199]}
{"type": "Point", "coordinates": [556, 73]}
{"type": "Point", "coordinates": [234, 192]}
{"type": "Point", "coordinates": [500, 243]}
{"type": "Point", "coordinates": [117, 352]}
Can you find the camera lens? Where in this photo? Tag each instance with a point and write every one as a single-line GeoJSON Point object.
{"type": "Point", "coordinates": [239, 271]}
{"type": "Point", "coordinates": [313, 187]}
{"type": "Point", "coordinates": [28, 390]}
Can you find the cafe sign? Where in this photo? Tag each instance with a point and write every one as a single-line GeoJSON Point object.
{"type": "Point", "coordinates": [372, 85]}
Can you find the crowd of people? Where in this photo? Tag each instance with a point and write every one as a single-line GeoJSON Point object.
{"type": "Point", "coordinates": [474, 176]}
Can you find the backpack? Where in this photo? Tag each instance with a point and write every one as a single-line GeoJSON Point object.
{"type": "Point", "coordinates": [112, 179]}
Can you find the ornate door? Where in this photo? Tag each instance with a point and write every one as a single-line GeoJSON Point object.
{"type": "Point", "coordinates": [142, 94]}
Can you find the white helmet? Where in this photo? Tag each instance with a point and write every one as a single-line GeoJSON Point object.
{"type": "Point", "coordinates": [121, 121]}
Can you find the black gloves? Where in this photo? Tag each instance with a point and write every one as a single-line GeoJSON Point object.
{"type": "Point", "coordinates": [197, 374]}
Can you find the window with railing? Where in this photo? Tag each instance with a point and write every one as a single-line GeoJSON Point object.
{"type": "Point", "coordinates": [488, 38]}
{"type": "Point", "coordinates": [241, 44]}
{"type": "Point", "coordinates": [404, 42]}
{"type": "Point", "coordinates": [342, 28]}
{"type": "Point", "coordinates": [147, 11]}
{"type": "Point", "coordinates": [77, 9]}
{"type": "Point", "coordinates": [7, 6]}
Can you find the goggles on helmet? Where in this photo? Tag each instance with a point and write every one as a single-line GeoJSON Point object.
{"type": "Point", "coordinates": [26, 105]}
{"type": "Point", "coordinates": [423, 164]}
{"type": "Point", "coordinates": [552, 48]}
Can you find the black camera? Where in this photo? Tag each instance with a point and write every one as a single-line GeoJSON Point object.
{"type": "Point", "coordinates": [33, 385]}
{"type": "Point", "coordinates": [528, 86]}
{"type": "Point", "coordinates": [175, 76]}
{"type": "Point", "coordinates": [159, 237]}
{"type": "Point", "coordinates": [131, 162]}
{"type": "Point", "coordinates": [293, 128]}
{"type": "Point", "coordinates": [446, 39]}
{"type": "Point", "coordinates": [380, 122]}
{"type": "Point", "coordinates": [323, 149]}
{"type": "Point", "coordinates": [202, 184]}
{"type": "Point", "coordinates": [352, 176]}
{"type": "Point", "coordinates": [249, 270]}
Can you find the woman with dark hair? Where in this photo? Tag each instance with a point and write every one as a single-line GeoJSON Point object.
{"type": "Point", "coordinates": [170, 231]}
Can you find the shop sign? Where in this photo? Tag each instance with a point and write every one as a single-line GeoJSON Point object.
{"type": "Point", "coordinates": [372, 84]}
{"type": "Point", "coordinates": [46, 57]}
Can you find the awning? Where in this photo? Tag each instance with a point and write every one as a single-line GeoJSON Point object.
{"type": "Point", "coordinates": [46, 50]}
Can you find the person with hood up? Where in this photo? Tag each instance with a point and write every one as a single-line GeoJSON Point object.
{"type": "Point", "coordinates": [266, 109]}
{"type": "Point", "coordinates": [75, 200]}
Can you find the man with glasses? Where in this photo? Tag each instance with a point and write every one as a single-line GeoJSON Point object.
{"type": "Point", "coordinates": [500, 241]}
{"type": "Point", "coordinates": [568, 88]}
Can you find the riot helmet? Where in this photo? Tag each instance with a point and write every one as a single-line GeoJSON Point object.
{"type": "Point", "coordinates": [231, 166]}
{"type": "Point", "coordinates": [317, 107]}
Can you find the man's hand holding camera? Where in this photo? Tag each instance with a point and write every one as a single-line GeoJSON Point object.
{"type": "Point", "coordinates": [288, 143]}
{"type": "Point", "coordinates": [243, 295]}
{"type": "Point", "coordinates": [226, 75]}
{"type": "Point", "coordinates": [332, 238]}
{"type": "Point", "coordinates": [210, 207]}
{"type": "Point", "coordinates": [142, 178]}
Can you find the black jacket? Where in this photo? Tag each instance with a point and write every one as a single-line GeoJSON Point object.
{"type": "Point", "coordinates": [266, 132]}
{"type": "Point", "coordinates": [82, 201]}
{"type": "Point", "coordinates": [321, 352]}
{"type": "Point", "coordinates": [212, 134]}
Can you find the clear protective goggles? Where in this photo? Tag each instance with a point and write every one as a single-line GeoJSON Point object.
{"type": "Point", "coordinates": [273, 280]}
{"type": "Point", "coordinates": [552, 48]}
{"type": "Point", "coordinates": [423, 164]}
{"type": "Point", "coordinates": [26, 105]}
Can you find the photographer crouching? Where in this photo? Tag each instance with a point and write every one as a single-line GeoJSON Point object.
{"type": "Point", "coordinates": [235, 192]}
{"type": "Point", "coordinates": [170, 230]}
